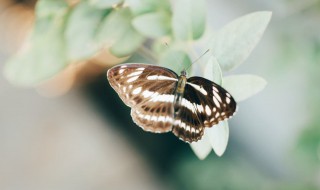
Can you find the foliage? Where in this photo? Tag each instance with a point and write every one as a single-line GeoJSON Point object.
{"type": "Point", "coordinates": [64, 34]}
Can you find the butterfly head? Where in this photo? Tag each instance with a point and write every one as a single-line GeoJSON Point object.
{"type": "Point", "coordinates": [183, 72]}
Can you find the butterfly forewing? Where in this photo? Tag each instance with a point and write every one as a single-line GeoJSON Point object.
{"type": "Point", "coordinates": [148, 90]}
{"type": "Point", "coordinates": [204, 104]}
{"type": "Point", "coordinates": [213, 103]}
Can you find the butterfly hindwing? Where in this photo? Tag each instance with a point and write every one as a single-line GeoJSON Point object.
{"type": "Point", "coordinates": [148, 90]}
{"type": "Point", "coordinates": [187, 125]}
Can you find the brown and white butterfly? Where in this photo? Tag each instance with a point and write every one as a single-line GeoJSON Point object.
{"type": "Point", "coordinates": [161, 101]}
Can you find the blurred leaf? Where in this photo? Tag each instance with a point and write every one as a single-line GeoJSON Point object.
{"type": "Point", "coordinates": [153, 25]}
{"type": "Point", "coordinates": [218, 136]}
{"type": "Point", "coordinates": [42, 56]}
{"type": "Point", "coordinates": [213, 71]}
{"type": "Point", "coordinates": [213, 173]}
{"type": "Point", "coordinates": [49, 8]}
{"type": "Point", "coordinates": [175, 59]}
{"type": "Point", "coordinates": [130, 41]}
{"type": "Point", "coordinates": [102, 4]}
{"type": "Point", "coordinates": [188, 20]}
{"type": "Point", "coordinates": [308, 149]}
{"type": "Point", "coordinates": [234, 43]}
{"type": "Point", "coordinates": [81, 29]}
{"type": "Point", "coordinates": [242, 87]}
{"type": "Point", "coordinates": [117, 32]}
{"type": "Point", "coordinates": [139, 7]}
{"type": "Point", "coordinates": [202, 148]}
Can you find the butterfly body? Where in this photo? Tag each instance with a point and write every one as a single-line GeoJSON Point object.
{"type": "Point", "coordinates": [161, 101]}
{"type": "Point", "coordinates": [179, 90]}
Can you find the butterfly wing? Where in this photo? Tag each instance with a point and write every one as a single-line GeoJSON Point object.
{"type": "Point", "coordinates": [149, 91]}
{"type": "Point", "coordinates": [204, 104]}
{"type": "Point", "coordinates": [187, 125]}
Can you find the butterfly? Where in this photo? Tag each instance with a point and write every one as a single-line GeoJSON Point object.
{"type": "Point", "coordinates": [161, 101]}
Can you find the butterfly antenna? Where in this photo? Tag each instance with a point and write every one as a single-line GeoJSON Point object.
{"type": "Point", "coordinates": [198, 59]}
{"type": "Point", "coordinates": [175, 57]}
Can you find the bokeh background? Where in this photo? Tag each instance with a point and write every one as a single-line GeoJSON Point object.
{"type": "Point", "coordinates": [85, 138]}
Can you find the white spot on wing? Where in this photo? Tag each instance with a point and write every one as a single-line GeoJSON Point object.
{"type": "Point", "coordinates": [160, 77]}
{"type": "Point", "coordinates": [215, 89]}
{"type": "Point", "coordinates": [200, 108]}
{"type": "Point", "coordinates": [162, 98]}
{"type": "Point", "coordinates": [132, 79]}
{"type": "Point", "coordinates": [121, 71]}
{"type": "Point", "coordinates": [208, 111]}
{"type": "Point", "coordinates": [228, 100]}
{"type": "Point", "coordinates": [137, 90]}
{"type": "Point", "coordinates": [147, 93]}
{"type": "Point", "coordinates": [188, 104]}
{"type": "Point", "coordinates": [217, 96]}
{"type": "Point", "coordinates": [216, 102]}
{"type": "Point", "coordinates": [199, 88]}
{"type": "Point", "coordinates": [135, 73]}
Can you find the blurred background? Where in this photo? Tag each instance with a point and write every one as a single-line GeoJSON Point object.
{"type": "Point", "coordinates": [85, 138]}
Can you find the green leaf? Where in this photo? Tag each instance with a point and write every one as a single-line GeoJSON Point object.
{"type": "Point", "coordinates": [218, 136]}
{"type": "Point", "coordinates": [81, 29]}
{"type": "Point", "coordinates": [41, 57]}
{"type": "Point", "coordinates": [127, 44]}
{"type": "Point", "coordinates": [49, 8]}
{"type": "Point", "coordinates": [234, 43]}
{"type": "Point", "coordinates": [176, 60]}
{"type": "Point", "coordinates": [188, 20]}
{"type": "Point", "coordinates": [242, 87]}
{"type": "Point", "coordinates": [139, 7]}
{"type": "Point", "coordinates": [153, 25]}
{"type": "Point", "coordinates": [213, 71]}
{"type": "Point", "coordinates": [117, 32]}
{"type": "Point", "coordinates": [201, 148]}
{"type": "Point", "coordinates": [102, 4]}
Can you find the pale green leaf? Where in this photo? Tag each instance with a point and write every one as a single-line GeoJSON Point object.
{"type": "Point", "coordinates": [81, 29]}
{"type": "Point", "coordinates": [117, 32]}
{"type": "Point", "coordinates": [102, 4]}
{"type": "Point", "coordinates": [218, 136]}
{"type": "Point", "coordinates": [153, 25]}
{"type": "Point", "coordinates": [127, 44]}
{"type": "Point", "coordinates": [242, 87]}
{"type": "Point", "coordinates": [176, 60]}
{"type": "Point", "coordinates": [139, 7]}
{"type": "Point", "coordinates": [42, 56]}
{"type": "Point", "coordinates": [50, 8]}
{"type": "Point", "coordinates": [188, 20]}
{"type": "Point", "coordinates": [213, 71]}
{"type": "Point", "coordinates": [201, 148]}
{"type": "Point", "coordinates": [234, 43]}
